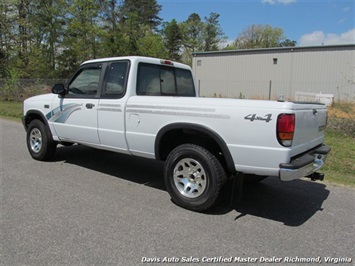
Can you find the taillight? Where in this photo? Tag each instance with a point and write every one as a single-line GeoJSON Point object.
{"type": "Point", "coordinates": [285, 129]}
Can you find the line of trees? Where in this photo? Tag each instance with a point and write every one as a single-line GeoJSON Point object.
{"type": "Point", "coordinates": [262, 36]}
{"type": "Point", "coordinates": [50, 38]}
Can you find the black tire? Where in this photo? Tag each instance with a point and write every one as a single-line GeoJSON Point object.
{"type": "Point", "coordinates": [39, 140]}
{"type": "Point", "coordinates": [193, 177]}
{"type": "Point", "coordinates": [253, 179]}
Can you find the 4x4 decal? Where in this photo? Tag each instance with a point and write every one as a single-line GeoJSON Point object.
{"type": "Point", "coordinates": [253, 117]}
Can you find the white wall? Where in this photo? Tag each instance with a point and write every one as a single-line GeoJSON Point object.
{"type": "Point", "coordinates": [247, 73]}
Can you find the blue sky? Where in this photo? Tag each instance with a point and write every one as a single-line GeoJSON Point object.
{"type": "Point", "coordinates": [308, 22]}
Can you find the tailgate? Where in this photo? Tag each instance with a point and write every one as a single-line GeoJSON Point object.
{"type": "Point", "coordinates": [311, 119]}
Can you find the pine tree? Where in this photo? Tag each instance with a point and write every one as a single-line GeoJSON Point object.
{"type": "Point", "coordinates": [173, 39]}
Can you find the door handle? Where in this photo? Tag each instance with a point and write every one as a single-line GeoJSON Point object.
{"type": "Point", "coordinates": [89, 105]}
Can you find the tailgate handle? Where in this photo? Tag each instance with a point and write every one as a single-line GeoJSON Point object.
{"type": "Point", "coordinates": [315, 111]}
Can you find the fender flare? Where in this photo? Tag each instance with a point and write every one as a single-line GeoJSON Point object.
{"type": "Point", "coordinates": [25, 119]}
{"type": "Point", "coordinates": [208, 131]}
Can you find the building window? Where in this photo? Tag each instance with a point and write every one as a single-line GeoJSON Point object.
{"type": "Point", "coordinates": [275, 61]}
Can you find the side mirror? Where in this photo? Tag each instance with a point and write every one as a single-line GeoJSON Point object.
{"type": "Point", "coordinates": [58, 89]}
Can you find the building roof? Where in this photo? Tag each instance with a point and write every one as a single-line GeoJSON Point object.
{"type": "Point", "coordinates": [277, 50]}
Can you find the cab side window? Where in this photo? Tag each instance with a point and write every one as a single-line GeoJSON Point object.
{"type": "Point", "coordinates": [159, 80]}
{"type": "Point", "coordinates": [86, 82]}
{"type": "Point", "coordinates": [115, 81]}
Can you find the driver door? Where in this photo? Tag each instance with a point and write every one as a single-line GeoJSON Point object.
{"type": "Point", "coordinates": [75, 116]}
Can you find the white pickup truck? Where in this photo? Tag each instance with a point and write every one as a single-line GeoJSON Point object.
{"type": "Point", "coordinates": [150, 108]}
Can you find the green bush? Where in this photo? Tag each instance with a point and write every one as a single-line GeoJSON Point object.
{"type": "Point", "coordinates": [14, 90]}
{"type": "Point", "coordinates": [11, 89]}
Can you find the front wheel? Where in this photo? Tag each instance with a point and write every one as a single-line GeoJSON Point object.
{"type": "Point", "coordinates": [39, 141]}
{"type": "Point", "coordinates": [193, 177]}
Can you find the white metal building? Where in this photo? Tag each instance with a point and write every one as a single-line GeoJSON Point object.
{"type": "Point", "coordinates": [298, 73]}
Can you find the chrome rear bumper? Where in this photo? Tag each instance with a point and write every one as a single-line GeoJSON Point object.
{"type": "Point", "coordinates": [305, 165]}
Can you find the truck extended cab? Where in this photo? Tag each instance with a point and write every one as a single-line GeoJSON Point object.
{"type": "Point", "coordinates": [149, 107]}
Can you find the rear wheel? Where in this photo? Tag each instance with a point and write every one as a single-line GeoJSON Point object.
{"type": "Point", "coordinates": [39, 141]}
{"type": "Point", "coordinates": [193, 177]}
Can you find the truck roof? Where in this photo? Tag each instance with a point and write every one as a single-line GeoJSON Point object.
{"type": "Point", "coordinates": [139, 59]}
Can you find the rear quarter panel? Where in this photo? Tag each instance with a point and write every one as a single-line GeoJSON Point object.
{"type": "Point", "coordinates": [252, 142]}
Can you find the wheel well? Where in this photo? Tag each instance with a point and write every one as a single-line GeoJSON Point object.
{"type": "Point", "coordinates": [33, 116]}
{"type": "Point", "coordinates": [172, 136]}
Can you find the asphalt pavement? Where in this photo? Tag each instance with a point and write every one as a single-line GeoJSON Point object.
{"type": "Point", "coordinates": [92, 207]}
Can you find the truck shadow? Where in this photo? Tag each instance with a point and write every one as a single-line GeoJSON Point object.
{"type": "Point", "coordinates": [135, 169]}
{"type": "Point", "coordinates": [292, 203]}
